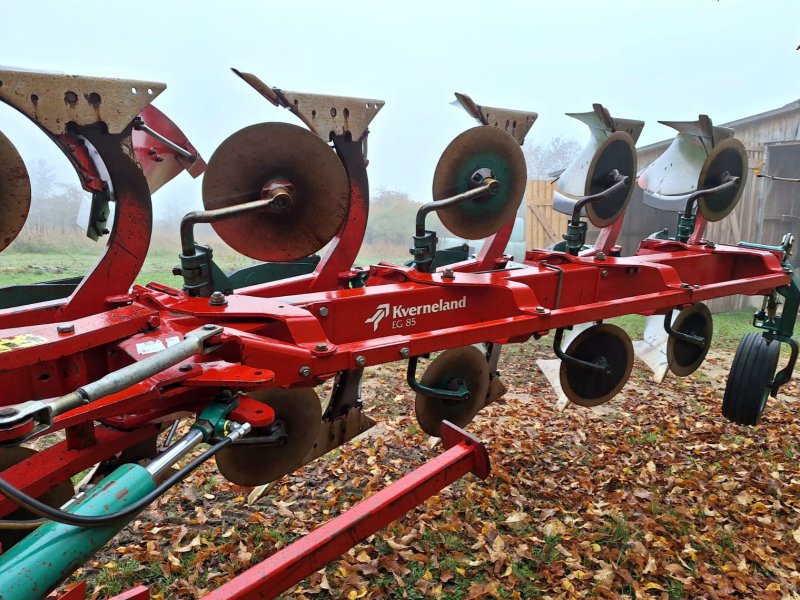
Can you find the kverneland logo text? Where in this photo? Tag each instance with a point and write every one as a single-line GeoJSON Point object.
{"type": "Point", "coordinates": [404, 312]}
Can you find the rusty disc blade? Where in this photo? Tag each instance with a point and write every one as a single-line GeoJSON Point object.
{"type": "Point", "coordinates": [729, 156]}
{"type": "Point", "coordinates": [617, 152]}
{"type": "Point", "coordinates": [482, 147]}
{"type": "Point", "coordinates": [451, 369]}
{"type": "Point", "coordinates": [256, 155]}
{"type": "Point", "coordinates": [55, 496]}
{"type": "Point", "coordinates": [250, 465]}
{"type": "Point", "coordinates": [15, 192]}
{"type": "Point", "coordinates": [683, 357]}
{"type": "Point", "coordinates": [600, 344]}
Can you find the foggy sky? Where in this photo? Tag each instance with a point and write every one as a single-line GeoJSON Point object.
{"type": "Point", "coordinates": [642, 59]}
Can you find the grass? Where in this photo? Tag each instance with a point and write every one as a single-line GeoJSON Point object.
{"type": "Point", "coordinates": [29, 265]}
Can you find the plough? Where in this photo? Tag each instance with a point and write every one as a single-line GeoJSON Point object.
{"type": "Point", "coordinates": [110, 365]}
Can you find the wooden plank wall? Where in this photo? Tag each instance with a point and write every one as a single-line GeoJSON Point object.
{"type": "Point", "coordinates": [543, 225]}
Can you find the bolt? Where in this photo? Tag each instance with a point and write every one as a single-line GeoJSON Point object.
{"type": "Point", "coordinates": [321, 347]}
{"type": "Point", "coordinates": [323, 311]}
{"type": "Point", "coordinates": [540, 309]}
{"type": "Point", "coordinates": [305, 371]}
{"type": "Point", "coordinates": [65, 328]}
{"type": "Point", "coordinates": [405, 352]}
{"type": "Point", "coordinates": [209, 327]}
{"type": "Point", "coordinates": [217, 299]}
{"type": "Point", "coordinates": [177, 271]}
{"type": "Point", "coordinates": [710, 244]}
{"type": "Point", "coordinates": [7, 411]}
{"type": "Point", "coordinates": [361, 360]}
{"type": "Point", "coordinates": [448, 274]}
{"type": "Point", "coordinates": [604, 273]}
{"type": "Point", "coordinates": [600, 256]}
{"type": "Point", "coordinates": [185, 368]}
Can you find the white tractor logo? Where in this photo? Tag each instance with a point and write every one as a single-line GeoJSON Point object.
{"type": "Point", "coordinates": [383, 311]}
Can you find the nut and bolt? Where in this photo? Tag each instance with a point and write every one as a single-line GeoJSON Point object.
{"type": "Point", "coordinates": [65, 328]}
{"type": "Point", "coordinates": [361, 360]}
{"type": "Point", "coordinates": [540, 309]}
{"type": "Point", "coordinates": [405, 352]}
{"type": "Point", "coordinates": [600, 256]}
{"type": "Point", "coordinates": [710, 244]}
{"type": "Point", "coordinates": [185, 368]}
{"type": "Point", "coordinates": [448, 274]}
{"type": "Point", "coordinates": [323, 311]}
{"type": "Point", "coordinates": [217, 299]}
{"type": "Point", "coordinates": [321, 347]}
{"type": "Point", "coordinates": [209, 327]}
{"type": "Point", "coordinates": [304, 371]}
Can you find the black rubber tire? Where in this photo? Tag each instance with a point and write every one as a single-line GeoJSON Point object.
{"type": "Point", "coordinates": [750, 379]}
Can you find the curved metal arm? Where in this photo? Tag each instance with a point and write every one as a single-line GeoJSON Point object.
{"type": "Point", "coordinates": [728, 182]}
{"type": "Point", "coordinates": [461, 394]}
{"type": "Point", "coordinates": [488, 187]}
{"type": "Point", "coordinates": [601, 367]}
{"type": "Point", "coordinates": [620, 181]}
{"type": "Point", "coordinates": [279, 197]}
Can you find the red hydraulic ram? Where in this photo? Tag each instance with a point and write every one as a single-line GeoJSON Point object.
{"type": "Point", "coordinates": [310, 553]}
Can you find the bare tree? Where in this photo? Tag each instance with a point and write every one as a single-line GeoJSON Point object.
{"type": "Point", "coordinates": [553, 156]}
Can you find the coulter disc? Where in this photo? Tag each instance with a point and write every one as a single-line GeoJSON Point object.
{"type": "Point", "coordinates": [451, 370]}
{"type": "Point", "coordinates": [727, 156]}
{"type": "Point", "coordinates": [603, 344]}
{"type": "Point", "coordinates": [260, 155]}
{"type": "Point", "coordinates": [482, 147]}
{"type": "Point", "coordinates": [616, 152]}
{"type": "Point", "coordinates": [250, 465]}
{"type": "Point", "coordinates": [684, 357]}
{"type": "Point", "coordinates": [15, 192]}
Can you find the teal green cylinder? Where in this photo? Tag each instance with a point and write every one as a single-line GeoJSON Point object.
{"type": "Point", "coordinates": [38, 563]}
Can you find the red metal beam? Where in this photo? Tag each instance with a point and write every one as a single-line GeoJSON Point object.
{"type": "Point", "coordinates": [310, 553]}
{"type": "Point", "coordinates": [313, 551]}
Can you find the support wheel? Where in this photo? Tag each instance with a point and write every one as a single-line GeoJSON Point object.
{"type": "Point", "coordinates": [750, 379]}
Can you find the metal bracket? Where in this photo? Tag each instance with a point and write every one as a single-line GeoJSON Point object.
{"type": "Point", "coordinates": [325, 116]}
{"type": "Point", "coordinates": [424, 250]}
{"type": "Point", "coordinates": [601, 366]}
{"type": "Point", "coordinates": [53, 101]}
{"type": "Point", "coordinates": [411, 376]}
{"type": "Point", "coordinates": [784, 375]}
{"type": "Point", "coordinates": [516, 123]}
{"type": "Point", "coordinates": [685, 337]}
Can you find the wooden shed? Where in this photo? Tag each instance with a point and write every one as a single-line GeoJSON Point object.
{"type": "Point", "coordinates": [767, 210]}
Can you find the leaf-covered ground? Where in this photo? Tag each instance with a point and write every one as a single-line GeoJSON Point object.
{"type": "Point", "coordinates": [653, 495]}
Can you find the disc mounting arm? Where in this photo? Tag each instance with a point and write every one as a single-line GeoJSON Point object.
{"type": "Point", "coordinates": [617, 182]}
{"type": "Point", "coordinates": [728, 181]}
{"type": "Point", "coordinates": [487, 187]}
{"type": "Point", "coordinates": [696, 340]}
{"type": "Point", "coordinates": [196, 266]}
{"type": "Point", "coordinates": [601, 366]}
{"type": "Point", "coordinates": [411, 376]}
{"type": "Point", "coordinates": [424, 249]}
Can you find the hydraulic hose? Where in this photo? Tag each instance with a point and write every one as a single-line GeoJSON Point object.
{"type": "Point", "coordinates": [49, 513]}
